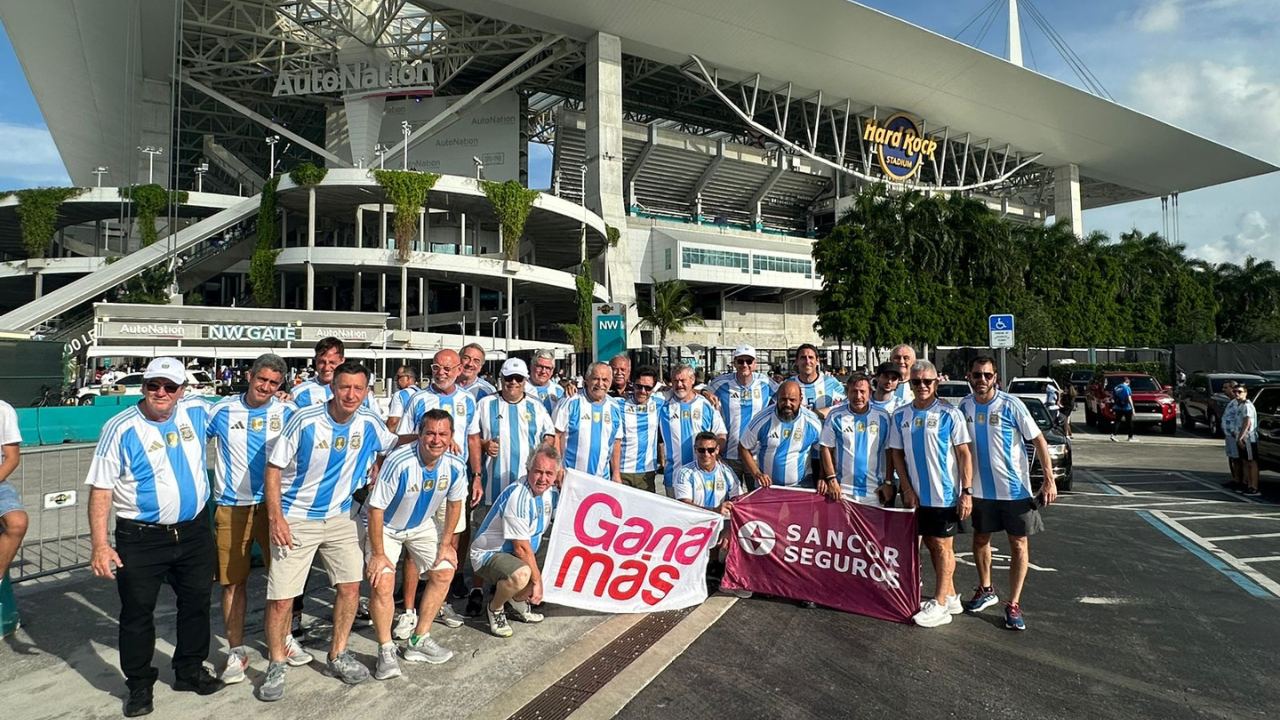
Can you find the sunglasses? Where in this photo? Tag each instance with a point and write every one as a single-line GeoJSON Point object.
{"type": "Point", "coordinates": [744, 361]}
{"type": "Point", "coordinates": [513, 378]}
{"type": "Point", "coordinates": [642, 388]}
{"type": "Point", "coordinates": [923, 382]}
{"type": "Point", "coordinates": [443, 368]}
{"type": "Point", "coordinates": [707, 451]}
{"type": "Point", "coordinates": [156, 387]}
{"type": "Point", "coordinates": [982, 375]}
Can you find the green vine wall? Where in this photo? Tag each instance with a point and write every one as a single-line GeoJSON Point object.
{"type": "Point", "coordinates": [408, 191]}
{"type": "Point", "coordinates": [512, 203]}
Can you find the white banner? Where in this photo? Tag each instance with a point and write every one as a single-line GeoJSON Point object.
{"type": "Point", "coordinates": [618, 549]}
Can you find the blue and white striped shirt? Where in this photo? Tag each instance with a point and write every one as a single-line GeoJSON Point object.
{"type": "Point", "coordinates": [782, 448]}
{"type": "Point", "coordinates": [410, 494]}
{"type": "Point", "coordinates": [889, 405]}
{"type": "Point", "coordinates": [519, 427]}
{"type": "Point", "coordinates": [400, 400]}
{"type": "Point", "coordinates": [478, 388]}
{"type": "Point", "coordinates": [859, 444]}
{"type": "Point", "coordinates": [154, 470]}
{"type": "Point", "coordinates": [928, 438]}
{"type": "Point", "coordinates": [1000, 430]}
{"type": "Point", "coordinates": [311, 392]}
{"type": "Point", "coordinates": [245, 438]}
{"type": "Point", "coordinates": [739, 404]}
{"type": "Point", "coordinates": [640, 434]}
{"type": "Point", "coordinates": [707, 489]}
{"type": "Point", "coordinates": [680, 423]}
{"type": "Point", "coordinates": [822, 393]}
{"type": "Point", "coordinates": [459, 403]}
{"type": "Point", "coordinates": [548, 394]}
{"type": "Point", "coordinates": [517, 514]}
{"type": "Point", "coordinates": [323, 462]}
{"type": "Point", "coordinates": [590, 430]}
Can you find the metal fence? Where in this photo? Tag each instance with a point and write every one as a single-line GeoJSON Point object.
{"type": "Point", "coordinates": [50, 481]}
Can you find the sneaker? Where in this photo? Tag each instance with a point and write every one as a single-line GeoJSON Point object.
{"type": "Point", "coordinates": [346, 668]}
{"type": "Point", "coordinates": [423, 648]}
{"type": "Point", "coordinates": [1113, 439]}
{"type": "Point", "coordinates": [475, 603]}
{"type": "Point", "coordinates": [1013, 617]}
{"type": "Point", "coordinates": [449, 617]}
{"type": "Point", "coordinates": [237, 661]}
{"type": "Point", "coordinates": [807, 604]}
{"type": "Point", "coordinates": [1251, 491]}
{"type": "Point", "coordinates": [954, 606]}
{"type": "Point", "coordinates": [498, 623]}
{"type": "Point", "coordinates": [931, 614]}
{"type": "Point", "coordinates": [743, 594]}
{"type": "Point", "coordinates": [983, 598]}
{"type": "Point", "coordinates": [1133, 439]}
{"type": "Point", "coordinates": [202, 682]}
{"type": "Point", "coordinates": [139, 702]}
{"type": "Point", "coordinates": [272, 689]}
{"type": "Point", "coordinates": [523, 612]}
{"type": "Point", "coordinates": [388, 665]}
{"type": "Point", "coordinates": [294, 654]}
{"type": "Point", "coordinates": [458, 588]}
{"type": "Point", "coordinates": [363, 618]}
{"type": "Point", "coordinates": [405, 625]}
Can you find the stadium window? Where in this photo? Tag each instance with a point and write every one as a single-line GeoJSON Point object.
{"type": "Point", "coordinates": [715, 258]}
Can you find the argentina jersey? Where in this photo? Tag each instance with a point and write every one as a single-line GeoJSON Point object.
{"type": "Point", "coordinates": [781, 448]}
{"type": "Point", "coordinates": [927, 438]}
{"type": "Point", "coordinates": [409, 493]}
{"type": "Point", "coordinates": [518, 428]}
{"type": "Point", "coordinates": [323, 462]}
{"type": "Point", "coordinates": [706, 489]}
{"type": "Point", "coordinates": [478, 389]}
{"type": "Point", "coordinates": [640, 435]}
{"type": "Point", "coordinates": [154, 470]}
{"type": "Point", "coordinates": [820, 394]}
{"type": "Point", "coordinates": [311, 392]}
{"type": "Point", "coordinates": [858, 446]}
{"type": "Point", "coordinates": [400, 400]}
{"type": "Point", "coordinates": [1000, 430]}
{"type": "Point", "coordinates": [459, 404]}
{"type": "Point", "coordinates": [590, 430]}
{"type": "Point", "coordinates": [548, 394]}
{"type": "Point", "coordinates": [889, 405]}
{"type": "Point", "coordinates": [680, 423]}
{"type": "Point", "coordinates": [517, 514]}
{"type": "Point", "coordinates": [739, 404]}
{"type": "Point", "coordinates": [245, 437]}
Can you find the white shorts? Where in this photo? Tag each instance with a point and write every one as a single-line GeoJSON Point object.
{"type": "Point", "coordinates": [422, 542]}
{"type": "Point", "coordinates": [1233, 449]}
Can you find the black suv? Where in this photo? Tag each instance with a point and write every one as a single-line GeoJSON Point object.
{"type": "Point", "coordinates": [1201, 399]}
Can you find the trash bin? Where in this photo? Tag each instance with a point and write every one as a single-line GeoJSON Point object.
{"type": "Point", "coordinates": [9, 620]}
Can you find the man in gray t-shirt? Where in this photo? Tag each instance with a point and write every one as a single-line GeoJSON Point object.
{"type": "Point", "coordinates": [13, 519]}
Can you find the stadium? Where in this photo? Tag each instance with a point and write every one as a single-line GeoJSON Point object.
{"type": "Point", "coordinates": [708, 142]}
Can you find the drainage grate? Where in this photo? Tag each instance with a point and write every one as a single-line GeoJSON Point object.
{"type": "Point", "coordinates": [571, 691]}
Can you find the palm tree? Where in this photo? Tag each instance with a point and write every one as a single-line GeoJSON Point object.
{"type": "Point", "coordinates": [671, 311]}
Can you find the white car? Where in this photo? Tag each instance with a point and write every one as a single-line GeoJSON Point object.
{"type": "Point", "coordinates": [198, 383]}
{"type": "Point", "coordinates": [952, 392]}
{"type": "Point", "coordinates": [1035, 388]}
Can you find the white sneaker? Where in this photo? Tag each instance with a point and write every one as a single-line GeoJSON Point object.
{"type": "Point", "coordinates": [498, 624]}
{"type": "Point", "coordinates": [294, 654]}
{"type": "Point", "coordinates": [1113, 438]}
{"type": "Point", "coordinates": [931, 614]}
{"type": "Point", "coordinates": [388, 666]}
{"type": "Point", "coordinates": [523, 612]}
{"type": "Point", "coordinates": [405, 625]}
{"type": "Point", "coordinates": [237, 661]}
{"type": "Point", "coordinates": [953, 605]}
{"type": "Point", "coordinates": [449, 617]}
{"type": "Point", "coordinates": [1133, 439]}
{"type": "Point", "coordinates": [427, 650]}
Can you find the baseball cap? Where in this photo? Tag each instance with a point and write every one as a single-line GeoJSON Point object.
{"type": "Point", "coordinates": [167, 368]}
{"type": "Point", "coordinates": [514, 366]}
{"type": "Point", "coordinates": [745, 350]}
{"type": "Point", "coordinates": [888, 368]}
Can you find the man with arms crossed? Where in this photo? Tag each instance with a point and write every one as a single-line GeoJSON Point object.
{"type": "Point", "coordinates": [414, 482]}
{"type": "Point", "coordinates": [1001, 425]}
{"type": "Point", "coordinates": [325, 454]}
{"type": "Point", "coordinates": [930, 445]}
{"type": "Point", "coordinates": [640, 434]}
{"type": "Point", "coordinates": [855, 448]}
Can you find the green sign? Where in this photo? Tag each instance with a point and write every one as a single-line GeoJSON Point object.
{"type": "Point", "coordinates": [608, 330]}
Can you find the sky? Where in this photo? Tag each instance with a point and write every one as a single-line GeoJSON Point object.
{"type": "Point", "coordinates": [1208, 66]}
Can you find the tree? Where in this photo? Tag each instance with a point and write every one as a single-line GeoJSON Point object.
{"type": "Point", "coordinates": [671, 312]}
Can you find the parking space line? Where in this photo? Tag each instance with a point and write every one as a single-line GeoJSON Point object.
{"type": "Point", "coordinates": [1268, 558]}
{"type": "Point", "coordinates": [1220, 516]}
{"type": "Point", "coordinates": [1254, 582]}
{"type": "Point", "coordinates": [1224, 538]}
{"type": "Point", "coordinates": [1217, 488]}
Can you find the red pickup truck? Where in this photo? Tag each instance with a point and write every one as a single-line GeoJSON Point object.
{"type": "Point", "coordinates": [1152, 403]}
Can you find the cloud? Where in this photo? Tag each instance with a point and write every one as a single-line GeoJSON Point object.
{"type": "Point", "coordinates": [1253, 236]}
{"type": "Point", "coordinates": [28, 158]}
{"type": "Point", "coordinates": [1160, 16]}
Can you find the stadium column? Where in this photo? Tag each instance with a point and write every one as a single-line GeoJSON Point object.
{"type": "Point", "coordinates": [604, 193]}
{"type": "Point", "coordinates": [1066, 197]}
{"type": "Point", "coordinates": [355, 301]}
{"type": "Point", "coordinates": [311, 244]}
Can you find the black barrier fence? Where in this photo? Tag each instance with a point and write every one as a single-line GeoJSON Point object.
{"type": "Point", "coordinates": [1035, 362]}
{"type": "Point", "coordinates": [1227, 357]}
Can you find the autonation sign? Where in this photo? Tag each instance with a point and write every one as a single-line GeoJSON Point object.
{"type": "Point", "coordinates": [356, 76]}
{"type": "Point", "coordinates": [900, 145]}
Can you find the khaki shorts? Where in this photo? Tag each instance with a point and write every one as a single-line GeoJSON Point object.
{"type": "Point", "coordinates": [422, 543]}
{"type": "Point", "coordinates": [338, 542]}
{"type": "Point", "coordinates": [643, 481]}
{"type": "Point", "coordinates": [462, 516]}
{"type": "Point", "coordinates": [236, 528]}
{"type": "Point", "coordinates": [499, 567]}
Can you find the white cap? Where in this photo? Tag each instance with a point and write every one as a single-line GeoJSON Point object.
{"type": "Point", "coordinates": [514, 366]}
{"type": "Point", "coordinates": [745, 350]}
{"type": "Point", "coordinates": [167, 368]}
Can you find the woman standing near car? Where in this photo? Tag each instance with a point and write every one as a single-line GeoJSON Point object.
{"type": "Point", "coordinates": [1066, 405]}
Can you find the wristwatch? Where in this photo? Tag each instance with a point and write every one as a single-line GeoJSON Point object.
{"type": "Point", "coordinates": [967, 491]}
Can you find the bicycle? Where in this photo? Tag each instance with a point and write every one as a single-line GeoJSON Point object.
{"type": "Point", "coordinates": [55, 396]}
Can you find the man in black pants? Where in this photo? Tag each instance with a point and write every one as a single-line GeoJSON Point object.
{"type": "Point", "coordinates": [1122, 397]}
{"type": "Point", "coordinates": [150, 465]}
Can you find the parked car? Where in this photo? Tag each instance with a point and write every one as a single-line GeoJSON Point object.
{"type": "Point", "coordinates": [952, 392]}
{"type": "Point", "coordinates": [1266, 401]}
{"type": "Point", "coordinates": [1270, 375]}
{"type": "Point", "coordinates": [1059, 448]}
{"type": "Point", "coordinates": [1036, 388]}
{"type": "Point", "coordinates": [198, 383]}
{"type": "Point", "coordinates": [1080, 380]}
{"type": "Point", "coordinates": [1152, 403]}
{"type": "Point", "coordinates": [1201, 399]}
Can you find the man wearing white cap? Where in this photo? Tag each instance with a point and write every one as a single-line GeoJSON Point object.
{"type": "Point", "coordinates": [150, 465]}
{"type": "Point", "coordinates": [742, 395]}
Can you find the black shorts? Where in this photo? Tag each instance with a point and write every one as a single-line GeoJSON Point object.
{"type": "Point", "coordinates": [1248, 451]}
{"type": "Point", "coordinates": [939, 522]}
{"type": "Point", "coordinates": [1016, 517]}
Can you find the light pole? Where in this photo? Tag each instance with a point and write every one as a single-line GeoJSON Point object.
{"type": "Point", "coordinates": [479, 168]}
{"type": "Point", "coordinates": [271, 143]}
{"type": "Point", "coordinates": [406, 128]}
{"type": "Point", "coordinates": [100, 171]}
{"type": "Point", "coordinates": [583, 169]}
{"type": "Point", "coordinates": [151, 152]}
{"type": "Point", "coordinates": [493, 330]}
{"type": "Point", "coordinates": [200, 170]}
{"type": "Point", "coordinates": [381, 151]}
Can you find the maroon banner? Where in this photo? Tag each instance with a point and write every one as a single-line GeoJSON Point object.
{"type": "Point", "coordinates": [800, 545]}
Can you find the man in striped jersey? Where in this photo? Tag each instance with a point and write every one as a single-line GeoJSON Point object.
{"type": "Point", "coordinates": [855, 448]}
{"type": "Point", "coordinates": [415, 481]}
{"type": "Point", "coordinates": [330, 353]}
{"type": "Point", "coordinates": [821, 392]}
{"type": "Point", "coordinates": [406, 388]}
{"type": "Point", "coordinates": [888, 380]}
{"type": "Point", "coordinates": [1001, 427]}
{"type": "Point", "coordinates": [708, 483]}
{"type": "Point", "coordinates": [506, 544]}
{"type": "Point", "coordinates": [930, 444]}
{"type": "Point", "coordinates": [471, 362]}
{"type": "Point", "coordinates": [742, 395]}
{"type": "Point", "coordinates": [325, 453]}
{"type": "Point", "coordinates": [540, 385]}
{"type": "Point", "coordinates": [246, 428]}
{"type": "Point", "coordinates": [150, 466]}
{"type": "Point", "coordinates": [640, 434]}
{"type": "Point", "coordinates": [589, 427]}
{"type": "Point", "coordinates": [903, 356]}
{"type": "Point", "coordinates": [778, 443]}
{"type": "Point", "coordinates": [685, 414]}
